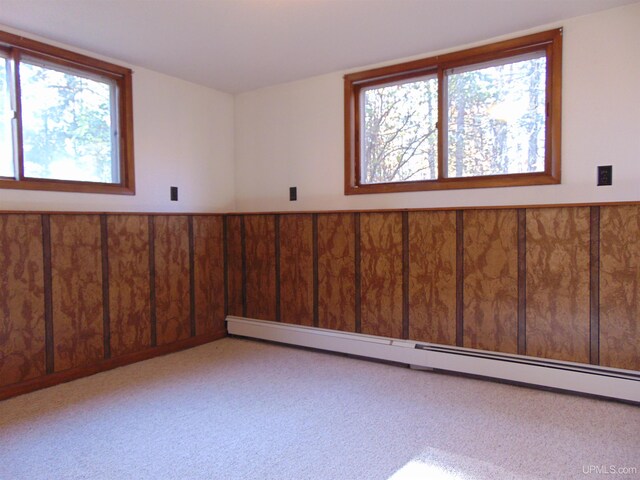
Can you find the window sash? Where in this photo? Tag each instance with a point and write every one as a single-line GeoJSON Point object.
{"type": "Point", "coordinates": [28, 63]}
{"type": "Point", "coordinates": [447, 122]}
{"type": "Point", "coordinates": [422, 130]}
{"type": "Point", "coordinates": [7, 140]}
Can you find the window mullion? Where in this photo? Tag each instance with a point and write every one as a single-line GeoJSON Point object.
{"type": "Point", "coordinates": [442, 124]}
{"type": "Point", "coordinates": [17, 120]}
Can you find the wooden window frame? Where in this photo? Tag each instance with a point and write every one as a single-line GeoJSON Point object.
{"type": "Point", "coordinates": [15, 47]}
{"type": "Point", "coordinates": [549, 41]}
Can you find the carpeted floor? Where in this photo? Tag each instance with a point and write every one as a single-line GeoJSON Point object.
{"type": "Point", "coordinates": [238, 409]}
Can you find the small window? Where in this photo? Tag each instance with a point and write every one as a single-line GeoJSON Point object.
{"type": "Point", "coordinates": [485, 117]}
{"type": "Point", "coordinates": [65, 120]}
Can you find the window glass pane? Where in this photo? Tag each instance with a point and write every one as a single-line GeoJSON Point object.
{"type": "Point", "coordinates": [399, 139]}
{"type": "Point", "coordinates": [496, 117]}
{"type": "Point", "coordinates": [6, 115]}
{"type": "Point", "coordinates": [67, 125]}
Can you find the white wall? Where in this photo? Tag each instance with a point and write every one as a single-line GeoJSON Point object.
{"type": "Point", "coordinates": [183, 136]}
{"type": "Point", "coordinates": [292, 134]}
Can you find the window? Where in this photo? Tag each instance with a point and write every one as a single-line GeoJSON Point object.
{"type": "Point", "coordinates": [65, 120]}
{"type": "Point", "coordinates": [484, 117]}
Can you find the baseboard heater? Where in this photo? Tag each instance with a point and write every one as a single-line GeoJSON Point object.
{"type": "Point", "coordinates": [576, 377]}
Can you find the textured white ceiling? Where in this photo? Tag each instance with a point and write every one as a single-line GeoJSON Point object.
{"type": "Point", "coordinates": [240, 45]}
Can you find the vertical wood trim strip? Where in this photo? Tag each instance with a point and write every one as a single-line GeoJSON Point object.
{"type": "Point", "coordinates": [459, 278]}
{"type": "Point", "coordinates": [594, 277]}
{"type": "Point", "coordinates": [243, 243]}
{"type": "Point", "coordinates": [405, 275]}
{"type": "Point", "coordinates": [358, 309]}
{"type": "Point", "coordinates": [48, 299]}
{"type": "Point", "coordinates": [522, 281]}
{"type": "Point", "coordinates": [225, 264]}
{"type": "Point", "coordinates": [314, 229]}
{"type": "Point", "coordinates": [276, 228]}
{"type": "Point", "coordinates": [192, 277]}
{"type": "Point", "coordinates": [106, 314]}
{"type": "Point", "coordinates": [152, 280]}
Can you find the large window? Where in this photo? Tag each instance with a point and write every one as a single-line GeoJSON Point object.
{"type": "Point", "coordinates": [484, 117]}
{"type": "Point", "coordinates": [65, 120]}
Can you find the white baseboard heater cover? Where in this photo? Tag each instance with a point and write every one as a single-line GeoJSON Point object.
{"type": "Point", "coordinates": [577, 377]}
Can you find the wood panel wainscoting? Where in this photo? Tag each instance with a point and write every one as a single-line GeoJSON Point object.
{"type": "Point", "coordinates": [555, 282]}
{"type": "Point", "coordinates": [84, 292]}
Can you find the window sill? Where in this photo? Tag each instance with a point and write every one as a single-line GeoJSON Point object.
{"type": "Point", "coordinates": [67, 186]}
{"type": "Point", "coordinates": [494, 181]}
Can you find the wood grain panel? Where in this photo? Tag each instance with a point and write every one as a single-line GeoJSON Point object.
{"type": "Point", "coordinates": [234, 265]}
{"type": "Point", "coordinates": [296, 269]}
{"type": "Point", "coordinates": [129, 289]}
{"type": "Point", "coordinates": [381, 270]}
{"type": "Point", "coordinates": [558, 283]}
{"type": "Point", "coordinates": [459, 278]}
{"type": "Point", "coordinates": [276, 226]}
{"type": "Point", "coordinates": [594, 285]}
{"type": "Point", "coordinates": [22, 329]}
{"type": "Point", "coordinates": [261, 266]}
{"type": "Point", "coordinates": [192, 276]}
{"type": "Point", "coordinates": [171, 245]}
{"type": "Point", "coordinates": [48, 300]}
{"type": "Point", "coordinates": [106, 314]}
{"type": "Point", "coordinates": [358, 272]}
{"type": "Point", "coordinates": [620, 287]}
{"type": "Point", "coordinates": [76, 271]}
{"type": "Point", "coordinates": [336, 272]}
{"type": "Point", "coordinates": [314, 253]}
{"type": "Point", "coordinates": [432, 277]}
{"type": "Point", "coordinates": [209, 274]}
{"type": "Point", "coordinates": [522, 281]}
{"type": "Point", "coordinates": [405, 275]}
{"type": "Point", "coordinates": [152, 280]}
{"type": "Point", "coordinates": [491, 280]}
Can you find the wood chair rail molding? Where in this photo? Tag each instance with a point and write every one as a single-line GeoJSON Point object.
{"type": "Point", "coordinates": [362, 210]}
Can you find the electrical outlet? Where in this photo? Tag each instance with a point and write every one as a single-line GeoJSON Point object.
{"type": "Point", "coordinates": [605, 175]}
{"type": "Point", "coordinates": [293, 194]}
{"type": "Point", "coordinates": [174, 194]}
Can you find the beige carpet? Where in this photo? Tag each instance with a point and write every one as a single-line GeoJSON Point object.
{"type": "Point", "coordinates": [238, 409]}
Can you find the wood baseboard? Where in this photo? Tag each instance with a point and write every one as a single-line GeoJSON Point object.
{"type": "Point", "coordinates": [109, 364]}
